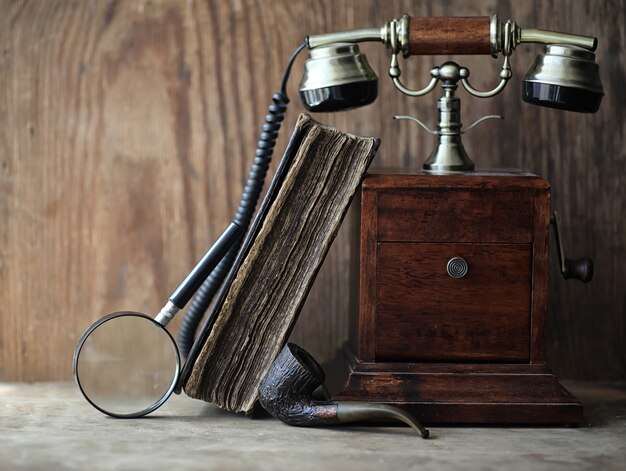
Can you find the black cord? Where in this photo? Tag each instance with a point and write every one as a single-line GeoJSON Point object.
{"type": "Point", "coordinates": [283, 85]}
{"type": "Point", "coordinates": [243, 217]}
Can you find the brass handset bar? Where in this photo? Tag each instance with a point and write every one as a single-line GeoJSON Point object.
{"type": "Point", "coordinates": [450, 35]}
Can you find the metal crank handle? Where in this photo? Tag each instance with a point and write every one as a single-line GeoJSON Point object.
{"type": "Point", "coordinates": [581, 268]}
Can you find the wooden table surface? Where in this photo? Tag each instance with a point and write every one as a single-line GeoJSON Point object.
{"type": "Point", "coordinates": [50, 426]}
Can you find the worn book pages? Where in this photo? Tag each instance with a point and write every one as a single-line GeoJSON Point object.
{"type": "Point", "coordinates": [278, 265]}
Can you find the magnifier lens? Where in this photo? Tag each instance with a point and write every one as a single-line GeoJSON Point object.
{"type": "Point", "coordinates": [127, 364]}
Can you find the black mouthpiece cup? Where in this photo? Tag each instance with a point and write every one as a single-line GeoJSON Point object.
{"type": "Point", "coordinates": [561, 97]}
{"type": "Point", "coordinates": [340, 97]}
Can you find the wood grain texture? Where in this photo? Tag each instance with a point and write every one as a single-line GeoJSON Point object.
{"type": "Point", "coordinates": [453, 215]}
{"type": "Point", "coordinates": [127, 129]}
{"type": "Point", "coordinates": [412, 310]}
{"type": "Point", "coordinates": [458, 393]}
{"type": "Point", "coordinates": [366, 312]}
{"type": "Point", "coordinates": [539, 306]}
{"type": "Point", "coordinates": [449, 35]}
{"type": "Point", "coordinates": [423, 314]}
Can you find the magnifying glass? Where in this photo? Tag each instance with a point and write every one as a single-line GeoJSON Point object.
{"type": "Point", "coordinates": [127, 364]}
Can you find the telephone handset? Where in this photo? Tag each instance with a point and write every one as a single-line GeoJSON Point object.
{"type": "Point", "coordinates": [337, 76]}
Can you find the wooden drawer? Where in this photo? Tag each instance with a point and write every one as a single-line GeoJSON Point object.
{"type": "Point", "coordinates": [429, 215]}
{"type": "Point", "coordinates": [423, 314]}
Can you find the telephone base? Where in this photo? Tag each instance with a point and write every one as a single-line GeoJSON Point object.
{"type": "Point", "coordinates": [450, 320]}
{"type": "Point", "coordinates": [457, 393]}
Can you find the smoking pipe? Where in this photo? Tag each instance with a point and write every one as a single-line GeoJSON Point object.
{"type": "Point", "coordinates": [287, 394]}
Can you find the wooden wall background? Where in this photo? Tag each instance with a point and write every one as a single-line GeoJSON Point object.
{"type": "Point", "coordinates": [127, 129]}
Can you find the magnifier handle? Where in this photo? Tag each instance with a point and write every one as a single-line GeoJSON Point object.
{"type": "Point", "coordinates": [205, 266]}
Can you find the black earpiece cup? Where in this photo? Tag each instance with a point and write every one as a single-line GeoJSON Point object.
{"type": "Point", "coordinates": [561, 97]}
{"type": "Point", "coordinates": [340, 97]}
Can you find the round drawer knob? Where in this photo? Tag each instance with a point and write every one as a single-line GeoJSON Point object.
{"type": "Point", "coordinates": [457, 267]}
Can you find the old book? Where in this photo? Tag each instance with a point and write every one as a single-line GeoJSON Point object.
{"type": "Point", "coordinates": [296, 224]}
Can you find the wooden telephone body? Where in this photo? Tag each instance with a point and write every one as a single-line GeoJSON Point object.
{"type": "Point", "coordinates": [454, 349]}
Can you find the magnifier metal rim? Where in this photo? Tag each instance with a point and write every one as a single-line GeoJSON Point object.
{"type": "Point", "coordinates": [154, 406]}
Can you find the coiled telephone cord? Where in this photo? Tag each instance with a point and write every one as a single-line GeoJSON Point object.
{"type": "Point", "coordinates": [247, 205]}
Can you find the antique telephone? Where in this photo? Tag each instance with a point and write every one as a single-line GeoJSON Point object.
{"type": "Point", "coordinates": [337, 77]}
